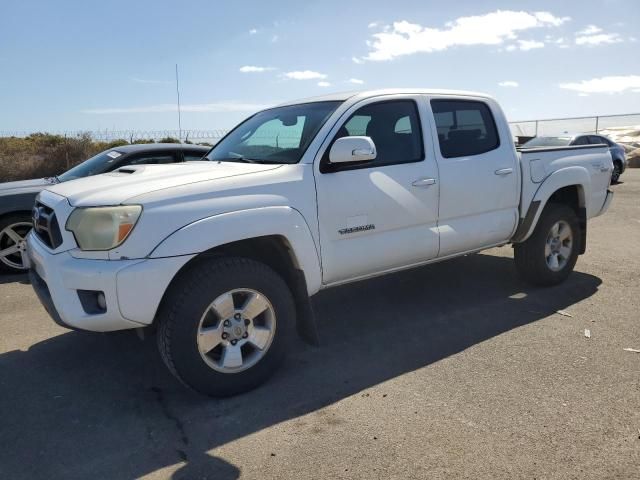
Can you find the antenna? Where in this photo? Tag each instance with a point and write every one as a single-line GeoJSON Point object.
{"type": "Point", "coordinates": [178, 94]}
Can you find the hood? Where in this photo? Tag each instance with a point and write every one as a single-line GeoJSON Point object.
{"type": "Point", "coordinates": [128, 182]}
{"type": "Point", "coordinates": [23, 186]}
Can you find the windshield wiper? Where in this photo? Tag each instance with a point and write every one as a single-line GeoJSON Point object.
{"type": "Point", "coordinates": [52, 180]}
{"type": "Point", "coordinates": [244, 160]}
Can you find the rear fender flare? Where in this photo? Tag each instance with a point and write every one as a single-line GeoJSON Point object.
{"type": "Point", "coordinates": [565, 177]}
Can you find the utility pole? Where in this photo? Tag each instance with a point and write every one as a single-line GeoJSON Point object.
{"type": "Point", "coordinates": [178, 95]}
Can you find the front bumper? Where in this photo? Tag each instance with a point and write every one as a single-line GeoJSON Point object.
{"type": "Point", "coordinates": [132, 289]}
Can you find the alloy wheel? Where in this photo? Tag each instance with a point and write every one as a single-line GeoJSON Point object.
{"type": "Point", "coordinates": [13, 245]}
{"type": "Point", "coordinates": [559, 245]}
{"type": "Point", "coordinates": [236, 330]}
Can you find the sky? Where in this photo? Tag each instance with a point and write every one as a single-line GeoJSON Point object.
{"type": "Point", "coordinates": [81, 65]}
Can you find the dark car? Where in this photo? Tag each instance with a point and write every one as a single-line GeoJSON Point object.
{"type": "Point", "coordinates": [616, 150]}
{"type": "Point", "coordinates": [17, 198]}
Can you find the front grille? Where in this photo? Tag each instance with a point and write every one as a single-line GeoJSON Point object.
{"type": "Point", "coordinates": [45, 224]}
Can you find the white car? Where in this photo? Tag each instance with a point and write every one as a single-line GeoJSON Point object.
{"type": "Point", "coordinates": [223, 255]}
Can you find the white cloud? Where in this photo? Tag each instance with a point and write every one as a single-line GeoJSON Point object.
{"type": "Point", "coordinates": [150, 82]}
{"type": "Point", "coordinates": [612, 84]}
{"type": "Point", "coordinates": [255, 69]}
{"type": "Point", "coordinates": [305, 75]}
{"type": "Point", "coordinates": [357, 60]}
{"type": "Point", "coordinates": [524, 45]}
{"type": "Point", "coordinates": [372, 25]}
{"type": "Point", "coordinates": [324, 84]}
{"type": "Point", "coordinates": [356, 81]}
{"type": "Point", "coordinates": [405, 38]}
{"type": "Point", "coordinates": [275, 38]}
{"type": "Point", "coordinates": [589, 30]}
{"type": "Point", "coordinates": [598, 39]}
{"type": "Point", "coordinates": [548, 18]}
{"type": "Point", "coordinates": [529, 44]}
{"type": "Point", "coordinates": [508, 83]}
{"type": "Point", "coordinates": [228, 106]}
{"type": "Point", "coordinates": [253, 31]}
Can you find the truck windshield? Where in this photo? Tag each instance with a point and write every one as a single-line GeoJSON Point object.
{"type": "Point", "coordinates": [548, 142]}
{"type": "Point", "coordinates": [278, 135]}
{"type": "Point", "coordinates": [97, 164]}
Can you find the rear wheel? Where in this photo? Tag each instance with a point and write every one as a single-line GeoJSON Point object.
{"type": "Point", "coordinates": [13, 235]}
{"type": "Point", "coordinates": [549, 255]}
{"type": "Point", "coordinates": [226, 326]}
{"type": "Point", "coordinates": [617, 171]}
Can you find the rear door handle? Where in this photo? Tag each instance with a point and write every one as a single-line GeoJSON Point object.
{"type": "Point", "coordinates": [424, 182]}
{"type": "Point", "coordinates": [504, 171]}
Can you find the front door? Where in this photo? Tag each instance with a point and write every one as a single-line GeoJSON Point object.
{"type": "Point", "coordinates": [382, 214]}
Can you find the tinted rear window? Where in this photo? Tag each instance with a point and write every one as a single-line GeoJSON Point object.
{"type": "Point", "coordinates": [548, 142]}
{"type": "Point", "coordinates": [464, 127]}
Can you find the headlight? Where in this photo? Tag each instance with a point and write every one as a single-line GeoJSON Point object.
{"type": "Point", "coordinates": [102, 228]}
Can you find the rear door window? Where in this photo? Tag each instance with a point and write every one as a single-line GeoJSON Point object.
{"type": "Point", "coordinates": [465, 127]}
{"type": "Point", "coordinates": [158, 157]}
{"type": "Point", "coordinates": [597, 140]}
{"type": "Point", "coordinates": [583, 140]}
{"type": "Point", "coordinates": [193, 155]}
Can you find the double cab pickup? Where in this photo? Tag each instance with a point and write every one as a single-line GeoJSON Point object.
{"type": "Point", "coordinates": [221, 256]}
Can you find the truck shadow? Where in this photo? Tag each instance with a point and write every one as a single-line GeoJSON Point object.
{"type": "Point", "coordinates": [14, 278]}
{"type": "Point", "coordinates": [85, 405]}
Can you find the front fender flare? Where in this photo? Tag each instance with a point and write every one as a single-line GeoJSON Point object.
{"type": "Point", "coordinates": [217, 230]}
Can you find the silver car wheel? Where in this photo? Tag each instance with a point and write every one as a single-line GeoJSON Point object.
{"type": "Point", "coordinates": [236, 330]}
{"type": "Point", "coordinates": [558, 246]}
{"type": "Point", "coordinates": [13, 245]}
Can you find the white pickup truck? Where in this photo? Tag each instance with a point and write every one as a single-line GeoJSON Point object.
{"type": "Point", "coordinates": [223, 255]}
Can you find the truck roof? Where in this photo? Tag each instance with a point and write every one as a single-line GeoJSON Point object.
{"type": "Point", "coordinates": [361, 94]}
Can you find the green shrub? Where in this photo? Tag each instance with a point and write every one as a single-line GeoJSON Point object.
{"type": "Point", "coordinates": [45, 155]}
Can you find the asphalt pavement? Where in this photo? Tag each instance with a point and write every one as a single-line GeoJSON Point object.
{"type": "Point", "coordinates": [454, 370]}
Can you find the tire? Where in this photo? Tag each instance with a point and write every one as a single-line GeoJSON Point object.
{"type": "Point", "coordinates": [13, 232]}
{"type": "Point", "coordinates": [617, 171]}
{"type": "Point", "coordinates": [198, 302]}
{"type": "Point", "coordinates": [531, 259]}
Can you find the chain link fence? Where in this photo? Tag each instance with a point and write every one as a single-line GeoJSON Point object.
{"type": "Point", "coordinates": [559, 126]}
{"type": "Point", "coordinates": [195, 136]}
{"type": "Point", "coordinates": [622, 129]}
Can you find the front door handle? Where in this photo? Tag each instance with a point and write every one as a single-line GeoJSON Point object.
{"type": "Point", "coordinates": [424, 182]}
{"type": "Point", "coordinates": [504, 171]}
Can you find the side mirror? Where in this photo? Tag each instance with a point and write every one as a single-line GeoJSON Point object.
{"type": "Point", "coordinates": [352, 149]}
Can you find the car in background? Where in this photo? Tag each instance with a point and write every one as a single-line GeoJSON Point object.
{"type": "Point", "coordinates": [616, 150]}
{"type": "Point", "coordinates": [17, 198]}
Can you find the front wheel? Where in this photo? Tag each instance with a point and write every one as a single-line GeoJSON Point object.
{"type": "Point", "coordinates": [549, 255]}
{"type": "Point", "coordinates": [226, 325]}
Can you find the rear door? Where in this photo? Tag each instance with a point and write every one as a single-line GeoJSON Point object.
{"type": "Point", "coordinates": [479, 174]}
